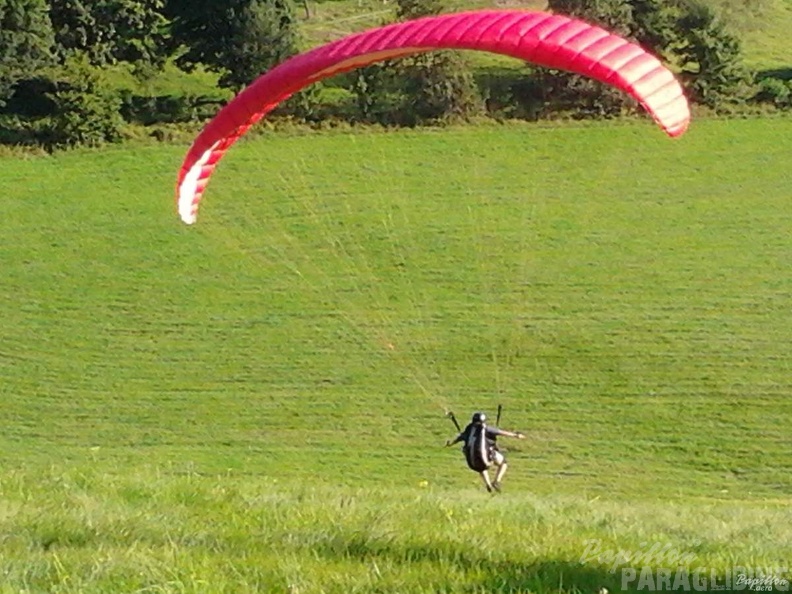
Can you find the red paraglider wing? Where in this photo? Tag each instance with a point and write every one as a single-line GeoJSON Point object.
{"type": "Point", "coordinates": [553, 41]}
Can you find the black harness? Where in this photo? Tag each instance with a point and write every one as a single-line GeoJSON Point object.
{"type": "Point", "coordinates": [478, 449]}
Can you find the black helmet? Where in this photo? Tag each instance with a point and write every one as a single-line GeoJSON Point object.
{"type": "Point", "coordinates": [478, 418]}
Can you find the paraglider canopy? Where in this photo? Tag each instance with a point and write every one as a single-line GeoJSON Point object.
{"type": "Point", "coordinates": [549, 40]}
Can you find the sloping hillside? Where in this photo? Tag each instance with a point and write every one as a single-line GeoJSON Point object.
{"type": "Point", "coordinates": [763, 25]}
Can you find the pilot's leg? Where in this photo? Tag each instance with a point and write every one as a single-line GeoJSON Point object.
{"type": "Point", "coordinates": [486, 478]}
{"type": "Point", "coordinates": [500, 461]}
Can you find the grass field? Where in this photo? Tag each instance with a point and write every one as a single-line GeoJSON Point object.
{"type": "Point", "coordinates": [762, 25]}
{"type": "Point", "coordinates": [256, 403]}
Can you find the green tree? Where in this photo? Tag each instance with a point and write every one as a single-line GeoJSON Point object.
{"type": "Point", "coordinates": [561, 91]}
{"type": "Point", "coordinates": [86, 109]}
{"type": "Point", "coordinates": [26, 41]}
{"type": "Point", "coordinates": [415, 9]}
{"type": "Point", "coordinates": [613, 15]}
{"type": "Point", "coordinates": [656, 26]}
{"type": "Point", "coordinates": [690, 36]}
{"type": "Point", "coordinates": [239, 39]}
{"type": "Point", "coordinates": [425, 88]}
{"type": "Point", "coordinates": [710, 58]}
{"type": "Point", "coordinates": [775, 91]}
{"type": "Point", "coordinates": [439, 86]}
{"type": "Point", "coordinates": [686, 34]}
{"type": "Point", "coordinates": [109, 31]}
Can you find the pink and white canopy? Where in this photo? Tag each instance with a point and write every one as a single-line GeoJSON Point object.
{"type": "Point", "coordinates": [549, 40]}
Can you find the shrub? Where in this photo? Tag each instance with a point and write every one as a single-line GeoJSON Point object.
{"type": "Point", "coordinates": [776, 91]}
{"type": "Point", "coordinates": [686, 34]}
{"type": "Point", "coordinates": [86, 112]}
{"type": "Point", "coordinates": [426, 88]}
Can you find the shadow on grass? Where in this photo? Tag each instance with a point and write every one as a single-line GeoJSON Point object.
{"type": "Point", "coordinates": [484, 571]}
{"type": "Point", "coordinates": [481, 571]}
{"type": "Point", "coordinates": [782, 73]}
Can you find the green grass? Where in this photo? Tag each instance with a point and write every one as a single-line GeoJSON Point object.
{"type": "Point", "coordinates": [257, 401]}
{"type": "Point", "coordinates": [149, 530]}
{"type": "Point", "coordinates": [763, 27]}
{"type": "Point", "coordinates": [169, 81]}
{"type": "Point", "coordinates": [332, 19]}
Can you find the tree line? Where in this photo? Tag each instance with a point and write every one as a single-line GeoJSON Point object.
{"type": "Point", "coordinates": [54, 53]}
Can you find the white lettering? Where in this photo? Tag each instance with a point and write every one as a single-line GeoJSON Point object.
{"type": "Point", "coordinates": [646, 580]}
{"type": "Point", "coordinates": [738, 578]}
{"type": "Point", "coordinates": [681, 580]}
{"type": "Point", "coordinates": [663, 579]}
{"type": "Point", "coordinates": [699, 582]}
{"type": "Point", "coordinates": [628, 576]}
{"type": "Point", "coordinates": [593, 546]}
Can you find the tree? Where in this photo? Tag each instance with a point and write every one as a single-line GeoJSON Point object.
{"type": "Point", "coordinates": [684, 33]}
{"type": "Point", "coordinates": [439, 86]}
{"type": "Point", "coordinates": [613, 15]}
{"type": "Point", "coordinates": [426, 88]}
{"type": "Point", "coordinates": [26, 41]}
{"type": "Point", "coordinates": [566, 92]}
{"type": "Point", "coordinates": [710, 59]}
{"type": "Point", "coordinates": [656, 26]}
{"type": "Point", "coordinates": [86, 110]}
{"type": "Point", "coordinates": [239, 39]}
{"type": "Point", "coordinates": [110, 31]}
{"type": "Point", "coordinates": [415, 9]}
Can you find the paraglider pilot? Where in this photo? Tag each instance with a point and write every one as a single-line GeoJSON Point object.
{"type": "Point", "coordinates": [481, 449]}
